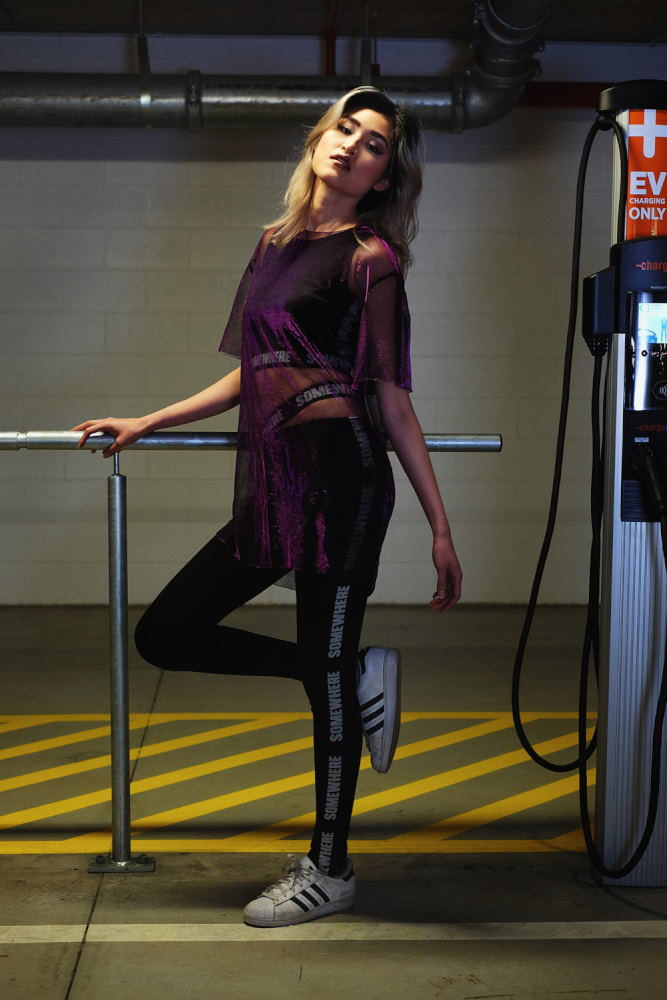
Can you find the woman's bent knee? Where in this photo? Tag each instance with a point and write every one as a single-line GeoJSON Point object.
{"type": "Point", "coordinates": [155, 646]}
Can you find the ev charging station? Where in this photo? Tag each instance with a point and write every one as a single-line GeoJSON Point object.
{"type": "Point", "coordinates": [627, 304]}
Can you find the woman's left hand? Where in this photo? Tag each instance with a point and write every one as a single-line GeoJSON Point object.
{"type": "Point", "coordinates": [448, 590]}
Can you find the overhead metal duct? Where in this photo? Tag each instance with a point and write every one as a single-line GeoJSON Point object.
{"type": "Point", "coordinates": [506, 38]}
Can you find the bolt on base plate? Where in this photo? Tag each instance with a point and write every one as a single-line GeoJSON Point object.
{"type": "Point", "coordinates": [104, 864]}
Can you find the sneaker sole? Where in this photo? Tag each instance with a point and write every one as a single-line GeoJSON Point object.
{"type": "Point", "coordinates": [392, 676]}
{"type": "Point", "coordinates": [391, 679]}
{"type": "Point", "coordinates": [325, 910]}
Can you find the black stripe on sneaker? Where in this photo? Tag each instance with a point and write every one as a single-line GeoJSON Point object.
{"type": "Point", "coordinates": [346, 878]}
{"type": "Point", "coordinates": [295, 899]}
{"type": "Point", "coordinates": [374, 715]}
{"type": "Point", "coordinates": [371, 701]}
{"type": "Point", "coordinates": [321, 892]}
{"type": "Point", "coordinates": [311, 899]}
{"type": "Point", "coordinates": [374, 729]}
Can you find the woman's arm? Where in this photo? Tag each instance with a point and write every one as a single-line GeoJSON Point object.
{"type": "Point", "coordinates": [406, 436]}
{"type": "Point", "coordinates": [217, 398]}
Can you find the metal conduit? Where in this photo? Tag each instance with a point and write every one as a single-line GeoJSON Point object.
{"type": "Point", "coordinates": [506, 37]}
{"type": "Point", "coordinates": [120, 859]}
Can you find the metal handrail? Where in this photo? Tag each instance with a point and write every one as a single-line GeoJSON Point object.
{"type": "Point", "coordinates": [177, 440]}
{"type": "Point", "coordinates": [120, 859]}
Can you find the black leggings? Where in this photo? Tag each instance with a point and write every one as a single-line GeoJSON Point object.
{"type": "Point", "coordinates": [180, 631]}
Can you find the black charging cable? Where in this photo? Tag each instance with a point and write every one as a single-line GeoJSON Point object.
{"type": "Point", "coordinates": [591, 643]}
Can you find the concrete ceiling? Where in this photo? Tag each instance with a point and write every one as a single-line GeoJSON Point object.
{"type": "Point", "coordinates": [571, 20]}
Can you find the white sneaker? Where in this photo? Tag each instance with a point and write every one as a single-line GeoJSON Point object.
{"type": "Point", "coordinates": [303, 893]}
{"type": "Point", "coordinates": [379, 696]}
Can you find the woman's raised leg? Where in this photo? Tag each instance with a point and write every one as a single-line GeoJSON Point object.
{"type": "Point", "coordinates": [180, 630]}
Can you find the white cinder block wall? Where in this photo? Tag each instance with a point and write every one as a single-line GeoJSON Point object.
{"type": "Point", "coordinates": [119, 258]}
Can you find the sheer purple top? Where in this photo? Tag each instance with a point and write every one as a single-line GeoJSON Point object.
{"type": "Point", "coordinates": [312, 323]}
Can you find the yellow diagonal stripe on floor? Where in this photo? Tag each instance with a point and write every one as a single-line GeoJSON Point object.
{"type": "Point", "coordinates": [207, 806]}
{"type": "Point", "coordinates": [39, 746]}
{"type": "Point", "coordinates": [230, 716]}
{"type": "Point", "coordinates": [490, 813]}
{"type": "Point", "coordinates": [9, 723]}
{"type": "Point", "coordinates": [76, 802]}
{"type": "Point", "coordinates": [226, 801]}
{"type": "Point", "coordinates": [276, 832]}
{"type": "Point", "coordinates": [198, 771]}
{"type": "Point", "coordinates": [148, 750]}
{"type": "Point", "coordinates": [573, 840]}
{"type": "Point", "coordinates": [465, 733]}
{"type": "Point", "coordinates": [442, 837]}
{"type": "Point", "coordinates": [30, 721]}
{"type": "Point", "coordinates": [59, 808]}
{"type": "Point", "coordinates": [137, 720]}
{"type": "Point", "coordinates": [86, 800]}
{"type": "Point", "coordinates": [466, 772]}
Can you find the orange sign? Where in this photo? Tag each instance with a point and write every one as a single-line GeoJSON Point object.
{"type": "Point", "coordinates": [646, 213]}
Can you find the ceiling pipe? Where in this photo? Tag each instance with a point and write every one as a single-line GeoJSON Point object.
{"type": "Point", "coordinates": [330, 38]}
{"type": "Point", "coordinates": [507, 33]}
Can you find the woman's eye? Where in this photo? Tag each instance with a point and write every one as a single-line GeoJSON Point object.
{"type": "Point", "coordinates": [375, 149]}
{"type": "Point", "coordinates": [345, 128]}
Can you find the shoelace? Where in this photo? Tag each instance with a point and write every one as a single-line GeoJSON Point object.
{"type": "Point", "coordinates": [294, 877]}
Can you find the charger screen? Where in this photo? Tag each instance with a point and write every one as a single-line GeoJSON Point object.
{"type": "Point", "coordinates": [652, 322]}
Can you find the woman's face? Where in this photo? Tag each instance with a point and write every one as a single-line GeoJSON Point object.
{"type": "Point", "coordinates": [353, 156]}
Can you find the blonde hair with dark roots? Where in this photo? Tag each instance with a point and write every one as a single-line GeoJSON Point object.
{"type": "Point", "coordinates": [392, 213]}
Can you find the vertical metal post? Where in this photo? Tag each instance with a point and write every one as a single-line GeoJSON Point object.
{"type": "Point", "coordinates": [120, 735]}
{"type": "Point", "coordinates": [120, 859]}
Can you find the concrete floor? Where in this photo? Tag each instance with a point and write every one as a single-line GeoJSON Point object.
{"type": "Point", "coordinates": [498, 900]}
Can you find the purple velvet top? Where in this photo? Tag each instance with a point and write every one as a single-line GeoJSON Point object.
{"type": "Point", "coordinates": [312, 323]}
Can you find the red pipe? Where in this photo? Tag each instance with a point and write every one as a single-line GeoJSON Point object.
{"type": "Point", "coordinates": [562, 95]}
{"type": "Point", "coordinates": [330, 38]}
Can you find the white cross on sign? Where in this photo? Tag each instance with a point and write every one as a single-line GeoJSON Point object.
{"type": "Point", "coordinates": [650, 131]}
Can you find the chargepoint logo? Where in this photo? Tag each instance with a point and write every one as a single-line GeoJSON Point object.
{"type": "Point", "coordinates": [647, 174]}
{"type": "Point", "coordinates": [652, 265]}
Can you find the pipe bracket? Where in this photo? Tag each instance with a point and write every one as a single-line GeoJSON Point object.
{"type": "Point", "coordinates": [193, 103]}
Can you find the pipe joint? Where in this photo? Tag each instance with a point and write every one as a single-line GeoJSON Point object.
{"type": "Point", "coordinates": [504, 51]}
{"type": "Point", "coordinates": [193, 100]}
{"type": "Point", "coordinates": [506, 38]}
{"type": "Point", "coordinates": [484, 103]}
{"type": "Point", "coordinates": [503, 74]}
{"type": "Point", "coordinates": [506, 31]}
{"type": "Point", "coordinates": [458, 118]}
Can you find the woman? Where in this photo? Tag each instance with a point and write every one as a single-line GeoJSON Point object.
{"type": "Point", "coordinates": [319, 321]}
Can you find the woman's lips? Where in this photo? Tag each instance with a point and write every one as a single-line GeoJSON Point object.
{"type": "Point", "coordinates": [342, 161]}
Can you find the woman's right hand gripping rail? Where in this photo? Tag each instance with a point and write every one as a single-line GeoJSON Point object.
{"type": "Point", "coordinates": [217, 398]}
{"type": "Point", "coordinates": [125, 431]}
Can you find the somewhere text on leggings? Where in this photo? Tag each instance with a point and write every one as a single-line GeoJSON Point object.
{"type": "Point", "coordinates": [338, 621]}
{"type": "Point", "coordinates": [335, 707]}
{"type": "Point", "coordinates": [333, 787]}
